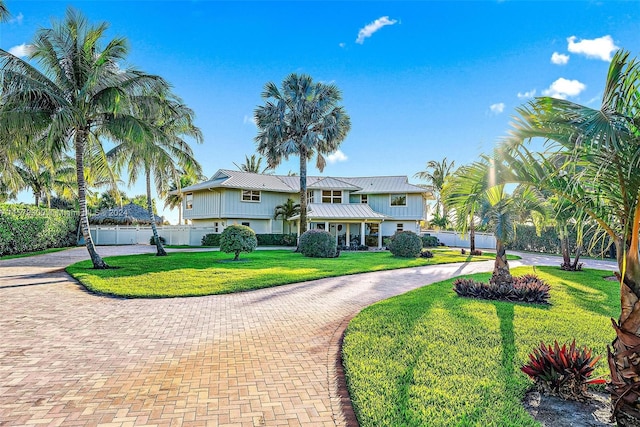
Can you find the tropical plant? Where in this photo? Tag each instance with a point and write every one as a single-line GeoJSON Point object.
{"type": "Point", "coordinates": [4, 12]}
{"type": "Point", "coordinates": [175, 195]}
{"type": "Point", "coordinates": [286, 210]}
{"type": "Point", "coordinates": [528, 288]}
{"type": "Point", "coordinates": [318, 244]}
{"type": "Point", "coordinates": [562, 371]}
{"type": "Point", "coordinates": [600, 177]}
{"type": "Point", "coordinates": [301, 119]}
{"type": "Point", "coordinates": [436, 174]}
{"type": "Point", "coordinates": [253, 164]}
{"type": "Point", "coordinates": [79, 93]}
{"type": "Point", "coordinates": [405, 244]}
{"type": "Point", "coordinates": [238, 238]}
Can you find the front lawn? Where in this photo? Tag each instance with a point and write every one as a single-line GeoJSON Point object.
{"type": "Point", "coordinates": [207, 273]}
{"type": "Point", "coordinates": [431, 358]}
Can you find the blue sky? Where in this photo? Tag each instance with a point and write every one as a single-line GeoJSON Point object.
{"type": "Point", "coordinates": [420, 80]}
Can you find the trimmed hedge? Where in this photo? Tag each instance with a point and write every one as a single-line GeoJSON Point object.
{"type": "Point", "coordinates": [429, 241]}
{"type": "Point", "coordinates": [28, 228]}
{"type": "Point", "coordinates": [318, 244]}
{"type": "Point", "coordinates": [405, 244]}
{"type": "Point", "coordinates": [277, 239]}
{"type": "Point", "coordinates": [548, 242]}
{"type": "Point", "coordinates": [211, 240]}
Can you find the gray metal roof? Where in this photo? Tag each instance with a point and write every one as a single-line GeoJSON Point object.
{"type": "Point", "coordinates": [360, 211]}
{"type": "Point", "coordinates": [225, 178]}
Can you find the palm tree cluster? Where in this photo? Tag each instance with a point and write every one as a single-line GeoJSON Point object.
{"type": "Point", "coordinates": [72, 94]}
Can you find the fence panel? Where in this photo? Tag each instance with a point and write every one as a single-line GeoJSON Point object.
{"type": "Point", "coordinates": [452, 238]}
{"type": "Point", "coordinates": [132, 235]}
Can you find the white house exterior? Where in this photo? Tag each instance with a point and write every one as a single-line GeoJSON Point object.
{"type": "Point", "coordinates": [349, 208]}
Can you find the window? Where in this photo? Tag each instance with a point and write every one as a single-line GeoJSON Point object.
{"type": "Point", "coordinates": [364, 199]}
{"type": "Point", "coordinates": [250, 195]}
{"type": "Point", "coordinates": [188, 200]}
{"type": "Point", "coordinates": [331, 196]}
{"type": "Point", "coordinates": [246, 224]}
{"type": "Point", "coordinates": [310, 196]}
{"type": "Point", "coordinates": [399, 228]}
{"type": "Point", "coordinates": [373, 229]}
{"type": "Point", "coordinates": [398, 200]}
{"type": "Point", "coordinates": [216, 227]}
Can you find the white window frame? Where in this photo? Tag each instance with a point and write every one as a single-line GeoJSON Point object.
{"type": "Point", "coordinates": [251, 196]}
{"type": "Point", "coordinates": [399, 227]}
{"type": "Point", "coordinates": [188, 201]}
{"type": "Point", "coordinates": [310, 196]}
{"type": "Point", "coordinates": [364, 199]}
{"type": "Point", "coordinates": [392, 196]}
{"type": "Point", "coordinates": [332, 197]}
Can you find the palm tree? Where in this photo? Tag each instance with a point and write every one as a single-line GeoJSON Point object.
{"type": "Point", "coordinates": [78, 94]}
{"type": "Point", "coordinates": [286, 210]}
{"type": "Point", "coordinates": [253, 164]}
{"type": "Point", "coordinates": [175, 195]}
{"type": "Point", "coordinates": [600, 177]}
{"type": "Point", "coordinates": [301, 119]}
{"type": "Point", "coordinates": [436, 173]}
{"type": "Point", "coordinates": [163, 154]}
{"type": "Point", "coordinates": [4, 12]}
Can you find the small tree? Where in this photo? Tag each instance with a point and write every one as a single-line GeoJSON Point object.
{"type": "Point", "coordinates": [236, 239]}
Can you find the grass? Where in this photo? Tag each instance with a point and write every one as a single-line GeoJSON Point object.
{"type": "Point", "coordinates": [28, 254]}
{"type": "Point", "coordinates": [429, 357]}
{"type": "Point", "coordinates": [208, 273]}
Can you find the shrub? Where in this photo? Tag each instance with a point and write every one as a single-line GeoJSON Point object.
{"type": "Point", "coordinates": [528, 288]}
{"type": "Point", "coordinates": [236, 239]}
{"type": "Point", "coordinates": [162, 240]}
{"type": "Point", "coordinates": [476, 252]}
{"type": "Point", "coordinates": [405, 244]}
{"type": "Point", "coordinates": [318, 244]}
{"type": "Point", "coordinates": [463, 251]}
{"type": "Point", "coordinates": [429, 241]}
{"type": "Point", "coordinates": [562, 371]}
{"type": "Point", "coordinates": [276, 239]}
{"type": "Point", "coordinates": [211, 240]}
{"type": "Point", "coordinates": [426, 254]}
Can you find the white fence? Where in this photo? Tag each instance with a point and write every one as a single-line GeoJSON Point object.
{"type": "Point", "coordinates": [452, 238]}
{"type": "Point", "coordinates": [138, 235]}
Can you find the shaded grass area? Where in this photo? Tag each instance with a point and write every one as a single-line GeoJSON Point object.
{"type": "Point", "coordinates": [431, 358]}
{"type": "Point", "coordinates": [207, 273]}
{"type": "Point", "coordinates": [29, 254]}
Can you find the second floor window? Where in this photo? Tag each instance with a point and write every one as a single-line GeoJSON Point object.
{"type": "Point", "coordinates": [398, 200]}
{"type": "Point", "coordinates": [310, 196]}
{"type": "Point", "coordinates": [364, 198]}
{"type": "Point", "coordinates": [250, 196]}
{"type": "Point", "coordinates": [188, 198]}
{"type": "Point", "coordinates": [331, 196]}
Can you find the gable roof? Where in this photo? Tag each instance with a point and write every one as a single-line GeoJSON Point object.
{"type": "Point", "coordinates": [226, 178]}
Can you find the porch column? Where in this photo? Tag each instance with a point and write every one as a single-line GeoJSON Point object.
{"type": "Point", "coordinates": [326, 226]}
{"type": "Point", "coordinates": [347, 227]}
{"type": "Point", "coordinates": [379, 235]}
{"type": "Point", "coordinates": [362, 227]}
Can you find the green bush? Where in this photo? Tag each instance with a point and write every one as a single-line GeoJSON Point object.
{"type": "Point", "coordinates": [211, 240]}
{"type": "Point", "coordinates": [28, 228]}
{"type": "Point", "coordinates": [405, 244]}
{"type": "Point", "coordinates": [152, 241]}
{"type": "Point", "coordinates": [276, 239]}
{"type": "Point", "coordinates": [318, 244]}
{"type": "Point", "coordinates": [429, 241]}
{"type": "Point", "coordinates": [238, 238]}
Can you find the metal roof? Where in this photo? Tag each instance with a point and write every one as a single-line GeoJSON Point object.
{"type": "Point", "coordinates": [360, 211]}
{"type": "Point", "coordinates": [329, 183]}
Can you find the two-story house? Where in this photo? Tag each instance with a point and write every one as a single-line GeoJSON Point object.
{"type": "Point", "coordinates": [349, 208]}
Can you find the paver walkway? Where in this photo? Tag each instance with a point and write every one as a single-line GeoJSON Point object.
{"type": "Point", "coordinates": [266, 357]}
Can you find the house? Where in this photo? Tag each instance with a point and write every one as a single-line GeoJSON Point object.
{"type": "Point", "coordinates": [360, 209]}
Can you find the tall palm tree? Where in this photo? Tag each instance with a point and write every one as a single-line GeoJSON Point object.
{"type": "Point", "coordinates": [175, 195]}
{"type": "Point", "coordinates": [302, 119]}
{"type": "Point", "coordinates": [436, 174]}
{"type": "Point", "coordinates": [79, 93]}
{"type": "Point", "coordinates": [163, 154]}
{"type": "Point", "coordinates": [253, 164]}
{"type": "Point", "coordinates": [286, 210]}
{"type": "Point", "coordinates": [4, 12]}
{"type": "Point", "coordinates": [600, 177]}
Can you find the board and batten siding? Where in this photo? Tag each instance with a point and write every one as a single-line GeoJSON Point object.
{"type": "Point", "coordinates": [382, 203]}
{"type": "Point", "coordinates": [234, 207]}
{"type": "Point", "coordinates": [206, 204]}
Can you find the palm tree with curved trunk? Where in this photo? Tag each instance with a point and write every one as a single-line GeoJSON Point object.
{"type": "Point", "coordinates": [302, 119]}
{"type": "Point", "coordinates": [286, 210]}
{"type": "Point", "coordinates": [253, 164]}
{"type": "Point", "coordinates": [79, 93]}
{"type": "Point", "coordinates": [436, 174]}
{"type": "Point", "coordinates": [600, 177]}
{"type": "Point", "coordinates": [164, 154]}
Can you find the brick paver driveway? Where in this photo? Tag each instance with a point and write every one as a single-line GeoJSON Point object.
{"type": "Point", "coordinates": [266, 357]}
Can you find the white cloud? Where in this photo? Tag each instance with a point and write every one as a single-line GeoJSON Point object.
{"type": "Point", "coordinates": [563, 88]}
{"type": "Point", "coordinates": [525, 95]}
{"type": "Point", "coordinates": [559, 58]}
{"type": "Point", "coordinates": [338, 156]}
{"type": "Point", "coordinates": [249, 120]}
{"type": "Point", "coordinates": [600, 48]}
{"type": "Point", "coordinates": [17, 20]}
{"type": "Point", "coordinates": [20, 51]}
{"type": "Point", "coordinates": [497, 108]}
{"type": "Point", "coordinates": [368, 30]}
{"type": "Point", "coordinates": [342, 44]}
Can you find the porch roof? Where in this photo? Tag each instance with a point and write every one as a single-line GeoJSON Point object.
{"type": "Point", "coordinates": [333, 211]}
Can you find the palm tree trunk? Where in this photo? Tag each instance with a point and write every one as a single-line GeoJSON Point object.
{"type": "Point", "coordinates": [180, 213]}
{"type": "Point", "coordinates": [472, 236]}
{"type": "Point", "coordinates": [159, 248]}
{"type": "Point", "coordinates": [36, 195]}
{"type": "Point", "coordinates": [303, 191]}
{"type": "Point", "coordinates": [79, 140]}
{"type": "Point", "coordinates": [501, 273]}
{"type": "Point", "coordinates": [564, 248]}
{"type": "Point", "coordinates": [574, 266]}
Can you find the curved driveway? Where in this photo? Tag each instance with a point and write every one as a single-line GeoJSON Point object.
{"type": "Point", "coordinates": [266, 357]}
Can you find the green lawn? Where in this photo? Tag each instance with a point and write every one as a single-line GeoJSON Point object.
{"type": "Point", "coordinates": [431, 358]}
{"type": "Point", "coordinates": [207, 273]}
{"type": "Point", "coordinates": [28, 254]}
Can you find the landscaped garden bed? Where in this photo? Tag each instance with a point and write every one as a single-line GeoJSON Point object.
{"type": "Point", "coordinates": [429, 357]}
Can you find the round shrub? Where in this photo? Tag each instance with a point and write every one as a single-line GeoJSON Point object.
{"type": "Point", "coordinates": [405, 244]}
{"type": "Point", "coordinates": [318, 244]}
{"type": "Point", "coordinates": [236, 239]}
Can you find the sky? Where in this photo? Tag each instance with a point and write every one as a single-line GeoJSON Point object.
{"type": "Point", "coordinates": [420, 80]}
